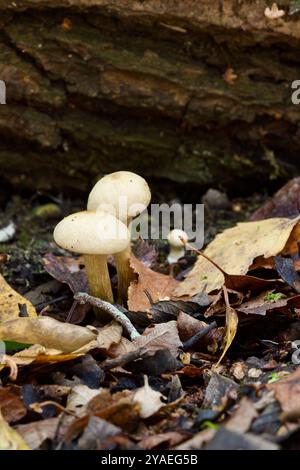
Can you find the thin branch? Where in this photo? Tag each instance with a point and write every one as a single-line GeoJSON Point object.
{"type": "Point", "coordinates": [200, 253]}
{"type": "Point", "coordinates": [119, 316]}
{"type": "Point", "coordinates": [123, 360]}
{"type": "Point", "coordinates": [194, 339]}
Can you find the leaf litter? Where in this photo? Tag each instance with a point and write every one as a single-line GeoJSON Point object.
{"type": "Point", "coordinates": [180, 382]}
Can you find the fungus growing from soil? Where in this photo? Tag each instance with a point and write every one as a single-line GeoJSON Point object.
{"type": "Point", "coordinates": [125, 195]}
{"type": "Point", "coordinates": [95, 235]}
{"type": "Point", "coordinates": [175, 238]}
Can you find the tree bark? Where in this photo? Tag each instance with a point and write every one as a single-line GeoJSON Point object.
{"type": "Point", "coordinates": [192, 91]}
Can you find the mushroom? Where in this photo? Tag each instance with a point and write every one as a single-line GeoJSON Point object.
{"type": "Point", "coordinates": [95, 235]}
{"type": "Point", "coordinates": [125, 195]}
{"type": "Point", "coordinates": [176, 238]}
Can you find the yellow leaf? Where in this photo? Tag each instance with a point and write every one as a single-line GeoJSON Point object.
{"type": "Point", "coordinates": [234, 250]}
{"type": "Point", "coordinates": [9, 438]}
{"type": "Point", "coordinates": [232, 321]}
{"type": "Point", "coordinates": [9, 302]}
{"type": "Point", "coordinates": [47, 332]}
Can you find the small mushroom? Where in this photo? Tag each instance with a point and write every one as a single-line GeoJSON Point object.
{"type": "Point", "coordinates": [175, 238]}
{"type": "Point", "coordinates": [125, 195]}
{"type": "Point", "coordinates": [95, 235]}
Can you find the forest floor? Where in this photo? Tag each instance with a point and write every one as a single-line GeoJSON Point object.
{"type": "Point", "coordinates": [106, 392]}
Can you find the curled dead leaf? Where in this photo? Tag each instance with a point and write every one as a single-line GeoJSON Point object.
{"type": "Point", "coordinates": [234, 251]}
{"type": "Point", "coordinates": [159, 286]}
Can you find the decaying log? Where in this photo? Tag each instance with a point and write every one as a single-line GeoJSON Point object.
{"type": "Point", "coordinates": [194, 91]}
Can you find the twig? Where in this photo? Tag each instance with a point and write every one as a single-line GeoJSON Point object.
{"type": "Point", "coordinates": [119, 316]}
{"type": "Point", "coordinates": [200, 253]}
{"type": "Point", "coordinates": [123, 360]}
{"type": "Point", "coordinates": [38, 407]}
{"type": "Point", "coordinates": [193, 340]}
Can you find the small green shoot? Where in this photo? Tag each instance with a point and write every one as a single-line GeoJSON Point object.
{"type": "Point", "coordinates": [209, 424]}
{"type": "Point", "coordinates": [273, 377]}
{"type": "Point", "coordinates": [274, 297]}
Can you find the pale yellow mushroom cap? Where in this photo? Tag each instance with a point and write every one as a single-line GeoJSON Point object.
{"type": "Point", "coordinates": [174, 238]}
{"type": "Point", "coordinates": [123, 194]}
{"type": "Point", "coordinates": [92, 233]}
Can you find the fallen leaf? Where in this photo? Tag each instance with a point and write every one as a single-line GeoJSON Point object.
{"type": "Point", "coordinates": [40, 294]}
{"type": "Point", "coordinates": [189, 326]}
{"type": "Point", "coordinates": [146, 252]}
{"type": "Point", "coordinates": [10, 301]}
{"type": "Point", "coordinates": [232, 321]}
{"type": "Point", "coordinates": [234, 251]}
{"type": "Point", "coordinates": [260, 305]}
{"type": "Point", "coordinates": [107, 336]}
{"type": "Point", "coordinates": [119, 408]}
{"type": "Point", "coordinates": [218, 305]}
{"type": "Point", "coordinates": [158, 337]}
{"type": "Point", "coordinates": [286, 270]}
{"type": "Point", "coordinates": [159, 286]}
{"type": "Point", "coordinates": [171, 438]}
{"type": "Point", "coordinates": [86, 370]}
{"type": "Point", "coordinates": [9, 438]}
{"type": "Point", "coordinates": [218, 391]}
{"type": "Point", "coordinates": [197, 441]}
{"type": "Point", "coordinates": [67, 270]}
{"type": "Point", "coordinates": [11, 403]}
{"type": "Point", "coordinates": [285, 203]}
{"type": "Point", "coordinates": [167, 310]}
{"type": "Point", "coordinates": [97, 434]}
{"type": "Point", "coordinates": [230, 440]}
{"type": "Point", "coordinates": [47, 332]}
{"type": "Point", "coordinates": [79, 397]}
{"type": "Point", "coordinates": [287, 391]}
{"type": "Point", "coordinates": [154, 365]}
{"type": "Point", "coordinates": [148, 399]}
{"type": "Point", "coordinates": [37, 432]}
{"type": "Point", "coordinates": [242, 418]}
{"type": "Point", "coordinates": [161, 336]}
{"type": "Point", "coordinates": [41, 355]}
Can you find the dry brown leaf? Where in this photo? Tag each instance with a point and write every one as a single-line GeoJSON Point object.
{"type": "Point", "coordinates": [9, 302]}
{"type": "Point", "coordinates": [103, 339]}
{"type": "Point", "coordinates": [34, 434]}
{"type": "Point", "coordinates": [149, 400]}
{"type": "Point", "coordinates": [9, 438]}
{"type": "Point", "coordinates": [47, 332]}
{"type": "Point", "coordinates": [284, 203]}
{"type": "Point", "coordinates": [231, 325]}
{"type": "Point", "coordinates": [79, 397]}
{"type": "Point", "coordinates": [118, 408]}
{"type": "Point", "coordinates": [171, 438]}
{"type": "Point", "coordinates": [287, 391]}
{"type": "Point", "coordinates": [158, 285]}
{"type": "Point", "coordinates": [11, 403]}
{"type": "Point", "coordinates": [242, 418]}
{"type": "Point", "coordinates": [260, 305]}
{"type": "Point", "coordinates": [189, 326]}
{"type": "Point", "coordinates": [41, 355]}
{"type": "Point", "coordinates": [234, 250]}
{"type": "Point", "coordinates": [106, 337]}
{"type": "Point", "coordinates": [160, 336]}
{"type": "Point", "coordinates": [198, 440]}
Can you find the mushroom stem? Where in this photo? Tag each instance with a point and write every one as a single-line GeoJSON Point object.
{"type": "Point", "coordinates": [125, 272]}
{"type": "Point", "coordinates": [175, 254]}
{"type": "Point", "coordinates": [98, 277]}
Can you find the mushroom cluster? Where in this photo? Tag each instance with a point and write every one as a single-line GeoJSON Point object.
{"type": "Point", "coordinates": [104, 229]}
